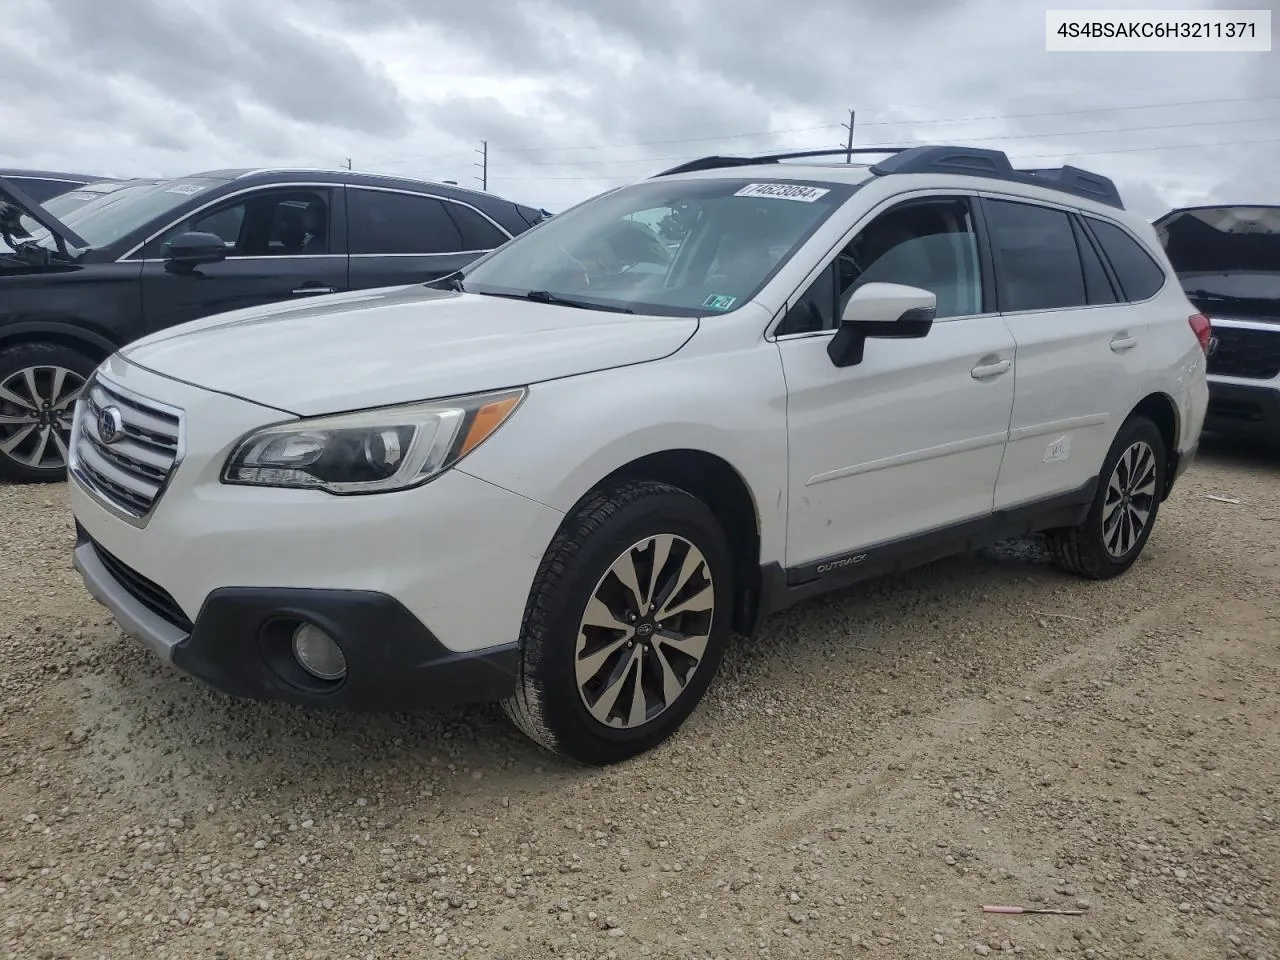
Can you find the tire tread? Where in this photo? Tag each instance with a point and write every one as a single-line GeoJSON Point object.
{"type": "Point", "coordinates": [525, 708]}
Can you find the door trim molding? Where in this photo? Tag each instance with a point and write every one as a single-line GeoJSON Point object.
{"type": "Point", "coordinates": [1057, 426]}
{"type": "Point", "coordinates": [914, 456]}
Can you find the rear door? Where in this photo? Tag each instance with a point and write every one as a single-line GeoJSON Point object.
{"type": "Point", "coordinates": [283, 243]}
{"type": "Point", "coordinates": [1081, 350]}
{"type": "Point", "coordinates": [400, 237]}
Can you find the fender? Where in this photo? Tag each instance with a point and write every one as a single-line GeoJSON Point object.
{"type": "Point", "coordinates": [66, 331]}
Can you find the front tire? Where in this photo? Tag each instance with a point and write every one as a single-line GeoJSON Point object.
{"type": "Point", "coordinates": [626, 624]}
{"type": "Point", "coordinates": [39, 386]}
{"type": "Point", "coordinates": [1124, 509]}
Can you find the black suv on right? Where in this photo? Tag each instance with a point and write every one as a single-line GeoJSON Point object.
{"type": "Point", "coordinates": [148, 254]}
{"type": "Point", "coordinates": [1228, 261]}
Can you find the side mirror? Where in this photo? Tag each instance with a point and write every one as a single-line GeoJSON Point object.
{"type": "Point", "coordinates": [193, 249]}
{"type": "Point", "coordinates": [886, 311]}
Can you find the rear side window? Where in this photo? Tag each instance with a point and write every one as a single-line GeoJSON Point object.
{"type": "Point", "coordinates": [1139, 275]}
{"type": "Point", "coordinates": [477, 232]}
{"type": "Point", "coordinates": [1035, 251]}
{"type": "Point", "coordinates": [382, 222]}
{"type": "Point", "coordinates": [1097, 285]}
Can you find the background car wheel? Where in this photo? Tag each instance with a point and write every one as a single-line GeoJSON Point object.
{"type": "Point", "coordinates": [626, 624]}
{"type": "Point", "coordinates": [39, 385]}
{"type": "Point", "coordinates": [1124, 508]}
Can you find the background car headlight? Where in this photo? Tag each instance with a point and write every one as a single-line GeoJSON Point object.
{"type": "Point", "coordinates": [372, 450]}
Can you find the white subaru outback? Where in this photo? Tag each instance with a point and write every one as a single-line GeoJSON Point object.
{"type": "Point", "coordinates": [563, 479]}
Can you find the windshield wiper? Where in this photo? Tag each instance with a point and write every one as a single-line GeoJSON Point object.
{"type": "Point", "coordinates": [1210, 295]}
{"type": "Point", "coordinates": [546, 296]}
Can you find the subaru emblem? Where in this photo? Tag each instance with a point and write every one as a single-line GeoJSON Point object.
{"type": "Point", "coordinates": [110, 424]}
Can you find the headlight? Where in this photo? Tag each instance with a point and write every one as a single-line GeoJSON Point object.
{"type": "Point", "coordinates": [373, 450]}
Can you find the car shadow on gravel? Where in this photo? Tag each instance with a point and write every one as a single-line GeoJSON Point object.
{"type": "Point", "coordinates": [147, 728]}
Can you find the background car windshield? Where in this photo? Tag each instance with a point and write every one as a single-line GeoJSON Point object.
{"type": "Point", "coordinates": [112, 216]}
{"type": "Point", "coordinates": [666, 248]}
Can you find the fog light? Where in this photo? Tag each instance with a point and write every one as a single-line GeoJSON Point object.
{"type": "Point", "coordinates": [318, 654]}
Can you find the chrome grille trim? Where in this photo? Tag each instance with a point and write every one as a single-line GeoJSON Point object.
{"type": "Point", "coordinates": [129, 475]}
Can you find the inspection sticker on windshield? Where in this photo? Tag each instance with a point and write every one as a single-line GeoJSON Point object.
{"type": "Point", "coordinates": [186, 189]}
{"type": "Point", "coordinates": [719, 303]}
{"type": "Point", "coordinates": [783, 191]}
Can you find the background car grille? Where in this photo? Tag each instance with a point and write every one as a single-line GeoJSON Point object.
{"type": "Point", "coordinates": [1244, 352]}
{"type": "Point", "coordinates": [130, 472]}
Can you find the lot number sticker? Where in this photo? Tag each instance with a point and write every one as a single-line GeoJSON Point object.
{"type": "Point", "coordinates": [186, 189]}
{"type": "Point", "coordinates": [783, 191]}
{"type": "Point", "coordinates": [719, 302]}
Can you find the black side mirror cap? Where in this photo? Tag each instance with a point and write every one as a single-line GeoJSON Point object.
{"type": "Point", "coordinates": [194, 249]}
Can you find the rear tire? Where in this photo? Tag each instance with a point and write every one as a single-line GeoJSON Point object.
{"type": "Point", "coordinates": [1124, 509]}
{"type": "Point", "coordinates": [615, 653]}
{"type": "Point", "coordinates": [39, 384]}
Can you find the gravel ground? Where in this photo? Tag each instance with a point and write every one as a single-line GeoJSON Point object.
{"type": "Point", "coordinates": [861, 778]}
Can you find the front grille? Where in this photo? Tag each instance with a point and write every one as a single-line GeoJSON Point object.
{"type": "Point", "coordinates": [131, 471]}
{"type": "Point", "coordinates": [1244, 352]}
{"type": "Point", "coordinates": [150, 595]}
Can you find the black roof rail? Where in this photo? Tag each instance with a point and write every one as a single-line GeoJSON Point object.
{"type": "Point", "coordinates": [962, 161]}
{"type": "Point", "coordinates": [715, 163]}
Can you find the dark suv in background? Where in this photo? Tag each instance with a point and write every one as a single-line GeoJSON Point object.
{"type": "Point", "coordinates": [83, 277]}
{"type": "Point", "coordinates": [1228, 261]}
{"type": "Point", "coordinates": [42, 185]}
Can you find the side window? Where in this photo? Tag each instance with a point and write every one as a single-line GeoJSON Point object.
{"type": "Point", "coordinates": [929, 244]}
{"type": "Point", "coordinates": [477, 232]}
{"type": "Point", "coordinates": [225, 223]}
{"type": "Point", "coordinates": [286, 222]}
{"type": "Point", "coordinates": [1035, 250]}
{"type": "Point", "coordinates": [383, 222]}
{"type": "Point", "coordinates": [1097, 285]}
{"type": "Point", "coordinates": [1139, 275]}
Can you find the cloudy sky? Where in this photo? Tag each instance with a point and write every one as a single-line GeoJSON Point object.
{"type": "Point", "coordinates": [574, 96]}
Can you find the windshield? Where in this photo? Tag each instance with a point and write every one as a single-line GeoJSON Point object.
{"type": "Point", "coordinates": [665, 248]}
{"type": "Point", "coordinates": [104, 219]}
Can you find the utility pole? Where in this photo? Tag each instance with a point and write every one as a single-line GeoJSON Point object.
{"type": "Point", "coordinates": [348, 163]}
{"type": "Point", "coordinates": [848, 157]}
{"type": "Point", "coordinates": [483, 164]}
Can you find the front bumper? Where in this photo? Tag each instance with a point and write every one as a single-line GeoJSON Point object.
{"type": "Point", "coordinates": [1244, 411]}
{"type": "Point", "coordinates": [240, 642]}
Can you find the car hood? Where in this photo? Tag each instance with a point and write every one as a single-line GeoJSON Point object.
{"type": "Point", "coordinates": [14, 202]}
{"type": "Point", "coordinates": [1226, 257]}
{"type": "Point", "coordinates": [373, 348]}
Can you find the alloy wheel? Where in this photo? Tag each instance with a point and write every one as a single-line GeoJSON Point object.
{"type": "Point", "coordinates": [645, 631]}
{"type": "Point", "coordinates": [36, 406]}
{"type": "Point", "coordinates": [1131, 496]}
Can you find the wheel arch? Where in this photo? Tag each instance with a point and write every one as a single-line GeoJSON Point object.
{"type": "Point", "coordinates": [719, 485]}
{"type": "Point", "coordinates": [90, 343]}
{"type": "Point", "coordinates": [1161, 410]}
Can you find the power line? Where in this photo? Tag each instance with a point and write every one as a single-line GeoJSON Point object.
{"type": "Point", "coordinates": [987, 139]}
{"type": "Point", "coordinates": [458, 155]}
{"type": "Point", "coordinates": [898, 123]}
{"type": "Point", "coordinates": [1087, 153]}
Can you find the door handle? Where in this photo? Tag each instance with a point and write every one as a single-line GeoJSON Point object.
{"type": "Point", "coordinates": [299, 291]}
{"type": "Point", "coordinates": [1122, 342]}
{"type": "Point", "coordinates": [985, 371]}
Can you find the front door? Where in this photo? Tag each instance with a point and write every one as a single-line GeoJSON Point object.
{"type": "Point", "coordinates": [283, 243]}
{"type": "Point", "coordinates": [908, 441]}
